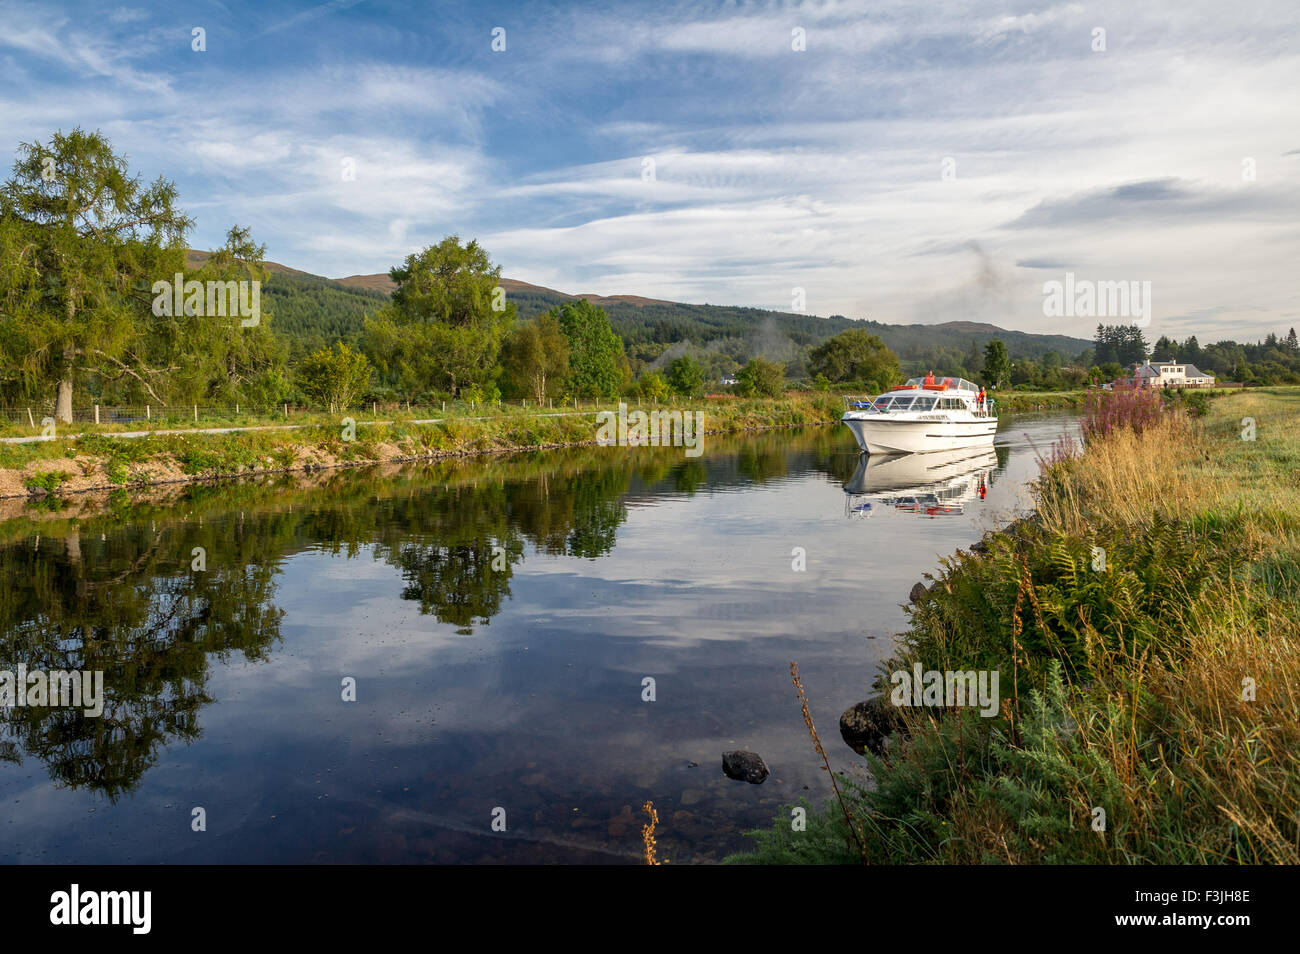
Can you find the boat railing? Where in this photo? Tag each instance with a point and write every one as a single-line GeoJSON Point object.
{"type": "Point", "coordinates": [855, 402]}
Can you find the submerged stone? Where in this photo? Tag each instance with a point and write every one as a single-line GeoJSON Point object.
{"type": "Point", "coordinates": [744, 766]}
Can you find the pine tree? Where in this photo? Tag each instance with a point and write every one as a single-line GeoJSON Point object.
{"type": "Point", "coordinates": [100, 239]}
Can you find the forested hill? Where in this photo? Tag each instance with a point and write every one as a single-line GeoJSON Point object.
{"type": "Point", "coordinates": [311, 312]}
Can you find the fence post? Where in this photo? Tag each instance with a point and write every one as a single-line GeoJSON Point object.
{"type": "Point", "coordinates": [374, 408]}
{"type": "Point", "coordinates": [236, 410]}
{"type": "Point", "coordinates": [196, 414]}
{"type": "Point", "coordinates": [31, 420]}
{"type": "Point", "coordinates": [286, 412]}
{"type": "Point", "coordinates": [148, 415]}
{"type": "Point", "coordinates": [96, 413]}
{"type": "Point", "coordinates": [444, 407]}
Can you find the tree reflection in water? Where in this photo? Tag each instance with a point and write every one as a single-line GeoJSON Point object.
{"type": "Point", "coordinates": [115, 588]}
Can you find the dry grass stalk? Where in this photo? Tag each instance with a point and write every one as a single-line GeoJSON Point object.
{"type": "Point", "coordinates": [648, 834]}
{"type": "Point", "coordinates": [826, 765]}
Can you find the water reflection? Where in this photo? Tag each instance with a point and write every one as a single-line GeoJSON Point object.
{"type": "Point", "coordinates": [123, 605]}
{"type": "Point", "coordinates": [930, 485]}
{"type": "Point", "coordinates": [138, 602]}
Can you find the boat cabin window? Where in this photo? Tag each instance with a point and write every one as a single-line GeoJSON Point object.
{"type": "Point", "coordinates": [882, 402]}
{"type": "Point", "coordinates": [902, 403]}
{"type": "Point", "coordinates": [923, 404]}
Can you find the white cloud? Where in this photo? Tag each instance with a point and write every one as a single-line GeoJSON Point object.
{"type": "Point", "coordinates": [772, 168]}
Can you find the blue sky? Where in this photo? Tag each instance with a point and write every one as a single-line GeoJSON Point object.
{"type": "Point", "coordinates": [774, 168]}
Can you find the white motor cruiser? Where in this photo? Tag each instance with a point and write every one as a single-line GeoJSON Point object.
{"type": "Point", "coordinates": [921, 416]}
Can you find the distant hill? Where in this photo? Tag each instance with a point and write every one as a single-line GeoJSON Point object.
{"type": "Point", "coordinates": [514, 288]}
{"type": "Point", "coordinates": [312, 311]}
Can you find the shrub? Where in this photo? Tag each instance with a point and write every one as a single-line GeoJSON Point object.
{"type": "Point", "coordinates": [1134, 408]}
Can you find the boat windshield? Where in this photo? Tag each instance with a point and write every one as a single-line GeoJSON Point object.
{"type": "Point", "coordinates": [923, 404]}
{"type": "Point", "coordinates": [902, 403]}
{"type": "Point", "coordinates": [882, 402]}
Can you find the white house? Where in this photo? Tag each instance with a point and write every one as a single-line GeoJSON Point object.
{"type": "Point", "coordinates": [1170, 374]}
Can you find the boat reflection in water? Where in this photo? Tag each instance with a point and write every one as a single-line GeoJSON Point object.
{"type": "Point", "coordinates": [930, 485]}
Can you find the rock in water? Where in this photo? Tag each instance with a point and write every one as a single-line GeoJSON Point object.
{"type": "Point", "coordinates": [865, 725]}
{"type": "Point", "coordinates": [918, 592]}
{"type": "Point", "coordinates": [744, 767]}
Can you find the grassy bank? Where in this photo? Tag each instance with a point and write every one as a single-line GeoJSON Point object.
{"type": "Point", "coordinates": [101, 460]}
{"type": "Point", "coordinates": [1143, 625]}
{"type": "Point", "coordinates": [1019, 401]}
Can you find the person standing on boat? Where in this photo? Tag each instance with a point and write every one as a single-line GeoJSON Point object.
{"type": "Point", "coordinates": [929, 378]}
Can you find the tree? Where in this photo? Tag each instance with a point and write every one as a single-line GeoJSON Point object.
{"type": "Point", "coordinates": [1165, 349]}
{"type": "Point", "coordinates": [1292, 343]}
{"type": "Point", "coordinates": [444, 326]}
{"type": "Point", "coordinates": [536, 358]}
{"type": "Point", "coordinates": [596, 359]}
{"type": "Point", "coordinates": [228, 358]}
{"type": "Point", "coordinates": [1133, 347]}
{"type": "Point", "coordinates": [20, 296]}
{"type": "Point", "coordinates": [1122, 343]}
{"type": "Point", "coordinates": [335, 376]}
{"type": "Point", "coordinates": [98, 238]}
{"type": "Point", "coordinates": [1026, 371]}
{"type": "Point", "coordinates": [855, 355]}
{"type": "Point", "coordinates": [997, 363]}
{"type": "Point", "coordinates": [974, 360]}
{"type": "Point", "coordinates": [760, 378]}
{"type": "Point", "coordinates": [685, 377]}
{"type": "Point", "coordinates": [651, 386]}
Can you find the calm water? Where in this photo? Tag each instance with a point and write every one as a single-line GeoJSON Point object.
{"type": "Point", "coordinates": [499, 618]}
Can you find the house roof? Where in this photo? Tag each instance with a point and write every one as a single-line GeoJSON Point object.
{"type": "Point", "coordinates": [1153, 369]}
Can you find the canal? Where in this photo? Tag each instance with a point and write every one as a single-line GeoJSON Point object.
{"type": "Point", "coordinates": [471, 661]}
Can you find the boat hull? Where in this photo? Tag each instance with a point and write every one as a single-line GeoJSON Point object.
{"type": "Point", "coordinates": [878, 434]}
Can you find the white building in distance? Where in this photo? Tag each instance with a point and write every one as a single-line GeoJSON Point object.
{"type": "Point", "coordinates": [1170, 374]}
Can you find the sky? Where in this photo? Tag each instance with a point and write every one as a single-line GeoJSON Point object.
{"type": "Point", "coordinates": [904, 162]}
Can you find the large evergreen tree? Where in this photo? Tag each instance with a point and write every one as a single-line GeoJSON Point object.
{"type": "Point", "coordinates": [98, 238]}
{"type": "Point", "coordinates": [997, 364]}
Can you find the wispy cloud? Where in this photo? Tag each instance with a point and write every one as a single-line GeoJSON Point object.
{"type": "Point", "coordinates": [913, 162]}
